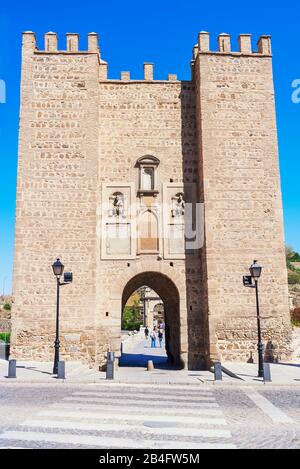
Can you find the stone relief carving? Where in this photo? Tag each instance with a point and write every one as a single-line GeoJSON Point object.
{"type": "Point", "coordinates": [117, 205]}
{"type": "Point", "coordinates": [178, 205]}
{"type": "Point", "coordinates": [118, 230]}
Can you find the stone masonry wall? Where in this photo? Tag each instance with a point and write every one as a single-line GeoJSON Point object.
{"type": "Point", "coordinates": [136, 119]}
{"type": "Point", "coordinates": [241, 190]}
{"type": "Point", "coordinates": [80, 131]}
{"type": "Point", "coordinates": [56, 200]}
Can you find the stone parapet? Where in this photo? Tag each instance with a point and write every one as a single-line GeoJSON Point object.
{"type": "Point", "coordinates": [224, 45]}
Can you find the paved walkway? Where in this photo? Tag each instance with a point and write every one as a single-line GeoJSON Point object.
{"type": "Point", "coordinates": [133, 369]}
{"type": "Point", "coordinates": [142, 353]}
{"type": "Point", "coordinates": [281, 373]}
{"type": "Point", "coordinates": [41, 372]}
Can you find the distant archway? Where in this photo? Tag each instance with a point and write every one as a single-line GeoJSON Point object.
{"type": "Point", "coordinates": [169, 294]}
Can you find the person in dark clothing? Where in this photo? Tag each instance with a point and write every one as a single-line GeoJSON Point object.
{"type": "Point", "coordinates": [160, 338]}
{"type": "Point", "coordinates": [146, 333]}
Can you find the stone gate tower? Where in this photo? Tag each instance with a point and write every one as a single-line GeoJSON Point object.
{"type": "Point", "coordinates": [101, 160]}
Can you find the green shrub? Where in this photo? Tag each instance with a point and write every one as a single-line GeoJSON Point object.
{"type": "Point", "coordinates": [5, 337]}
{"type": "Point", "coordinates": [295, 257]}
{"type": "Point", "coordinates": [295, 323]}
{"type": "Point", "coordinates": [7, 307]}
{"type": "Point", "coordinates": [291, 267]}
{"type": "Point", "coordinates": [131, 319]}
{"type": "Point", "coordinates": [293, 278]}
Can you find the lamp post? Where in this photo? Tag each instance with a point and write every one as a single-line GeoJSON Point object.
{"type": "Point", "coordinates": [143, 300]}
{"type": "Point", "coordinates": [58, 270]}
{"type": "Point", "coordinates": [255, 271]}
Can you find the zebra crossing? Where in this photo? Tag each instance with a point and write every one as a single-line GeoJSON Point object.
{"type": "Point", "coordinates": [143, 417]}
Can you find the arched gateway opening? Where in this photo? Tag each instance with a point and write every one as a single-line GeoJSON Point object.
{"type": "Point", "coordinates": [168, 292]}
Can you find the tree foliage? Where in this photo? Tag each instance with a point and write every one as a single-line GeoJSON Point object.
{"type": "Point", "coordinates": [291, 255]}
{"type": "Point", "coordinates": [5, 337]}
{"type": "Point", "coordinates": [293, 278]}
{"type": "Point", "coordinates": [289, 252]}
{"type": "Point", "coordinates": [131, 319]}
{"type": "Point", "coordinates": [293, 272]}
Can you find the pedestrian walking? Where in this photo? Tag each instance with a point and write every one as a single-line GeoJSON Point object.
{"type": "Point", "coordinates": [146, 333]}
{"type": "Point", "coordinates": [160, 338]}
{"type": "Point", "coordinates": [153, 339]}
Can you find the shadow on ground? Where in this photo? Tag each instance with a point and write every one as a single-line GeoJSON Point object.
{"type": "Point", "coordinates": [135, 359]}
{"type": "Point", "coordinates": [140, 360]}
{"type": "Point", "coordinates": [295, 365]}
{"type": "Point", "coordinates": [139, 356]}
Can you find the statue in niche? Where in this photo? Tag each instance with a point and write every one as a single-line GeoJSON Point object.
{"type": "Point", "coordinates": [179, 206]}
{"type": "Point", "coordinates": [118, 206]}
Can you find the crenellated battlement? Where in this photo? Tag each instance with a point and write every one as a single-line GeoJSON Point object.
{"type": "Point", "coordinates": [51, 43]}
{"type": "Point", "coordinates": [202, 46]}
{"type": "Point", "coordinates": [225, 46]}
{"type": "Point", "coordinates": [72, 46]}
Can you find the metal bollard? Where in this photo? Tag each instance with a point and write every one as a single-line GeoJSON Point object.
{"type": "Point", "coordinates": [12, 369]}
{"type": "Point", "coordinates": [61, 370]}
{"type": "Point", "coordinates": [110, 365]}
{"type": "Point", "coordinates": [218, 371]}
{"type": "Point", "coordinates": [267, 373]}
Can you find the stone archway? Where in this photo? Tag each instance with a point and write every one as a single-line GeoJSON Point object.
{"type": "Point", "coordinates": [169, 294]}
{"type": "Point", "coordinates": [147, 273]}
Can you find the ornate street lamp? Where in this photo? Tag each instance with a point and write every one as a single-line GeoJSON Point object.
{"type": "Point", "coordinates": [58, 270]}
{"type": "Point", "coordinates": [255, 271]}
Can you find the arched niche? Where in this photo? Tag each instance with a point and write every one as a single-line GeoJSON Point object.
{"type": "Point", "coordinates": [148, 239]}
{"type": "Point", "coordinates": [147, 174]}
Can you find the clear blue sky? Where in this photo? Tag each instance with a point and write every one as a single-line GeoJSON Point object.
{"type": "Point", "coordinates": [163, 32]}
